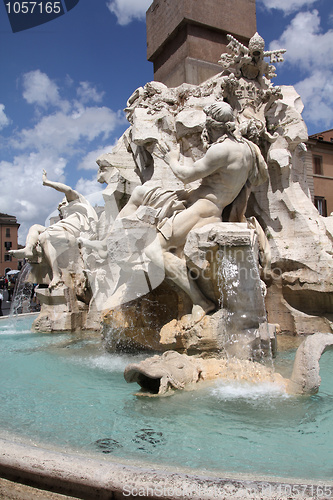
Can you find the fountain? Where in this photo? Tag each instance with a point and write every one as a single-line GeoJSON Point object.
{"type": "Point", "coordinates": [206, 193]}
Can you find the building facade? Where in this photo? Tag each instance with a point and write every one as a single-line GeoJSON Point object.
{"type": "Point", "coordinates": [320, 146]}
{"type": "Point", "coordinates": [186, 38]}
{"type": "Point", "coordinates": [8, 241]}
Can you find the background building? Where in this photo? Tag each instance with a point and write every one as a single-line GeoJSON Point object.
{"type": "Point", "coordinates": [8, 241]}
{"type": "Point", "coordinates": [320, 146]}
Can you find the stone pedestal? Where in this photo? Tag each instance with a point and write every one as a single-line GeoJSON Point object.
{"type": "Point", "coordinates": [60, 311]}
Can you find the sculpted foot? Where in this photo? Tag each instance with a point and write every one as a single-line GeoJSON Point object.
{"type": "Point", "coordinates": [23, 253]}
{"type": "Point", "coordinates": [56, 283]}
{"type": "Point", "coordinates": [198, 311]}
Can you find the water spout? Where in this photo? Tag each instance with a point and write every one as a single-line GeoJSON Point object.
{"type": "Point", "coordinates": [22, 293]}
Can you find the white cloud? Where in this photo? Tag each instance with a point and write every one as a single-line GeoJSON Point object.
{"type": "Point", "coordinates": [307, 46]}
{"type": "Point", "coordinates": [128, 10]}
{"type": "Point", "coordinates": [89, 161]}
{"type": "Point", "coordinates": [311, 51]}
{"type": "Point", "coordinates": [39, 89]}
{"type": "Point", "coordinates": [317, 96]}
{"type": "Point", "coordinates": [287, 6]}
{"type": "Point", "coordinates": [26, 197]}
{"type": "Point", "coordinates": [4, 120]}
{"type": "Point", "coordinates": [62, 132]}
{"type": "Point", "coordinates": [87, 93]}
{"type": "Point", "coordinates": [92, 190]}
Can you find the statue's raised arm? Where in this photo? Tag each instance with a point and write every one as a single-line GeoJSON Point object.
{"type": "Point", "coordinates": [70, 193]}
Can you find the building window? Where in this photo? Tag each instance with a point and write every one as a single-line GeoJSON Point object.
{"type": "Point", "coordinates": [8, 245]}
{"type": "Point", "coordinates": [8, 257]}
{"type": "Point", "coordinates": [317, 165]}
{"type": "Point", "coordinates": [7, 232]}
{"type": "Point", "coordinates": [321, 205]}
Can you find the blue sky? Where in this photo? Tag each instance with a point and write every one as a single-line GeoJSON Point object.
{"type": "Point", "coordinates": [64, 84]}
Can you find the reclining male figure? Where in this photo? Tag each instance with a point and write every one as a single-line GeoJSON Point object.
{"type": "Point", "coordinates": [78, 216]}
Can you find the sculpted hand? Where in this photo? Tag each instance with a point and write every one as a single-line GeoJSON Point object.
{"type": "Point", "coordinates": [172, 155]}
{"type": "Point", "coordinates": [167, 154]}
{"type": "Point", "coordinates": [44, 176]}
{"type": "Point", "coordinates": [83, 242]}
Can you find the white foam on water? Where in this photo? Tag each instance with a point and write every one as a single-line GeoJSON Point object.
{"type": "Point", "coordinates": [12, 327]}
{"type": "Point", "coordinates": [107, 362]}
{"type": "Point", "coordinates": [227, 390]}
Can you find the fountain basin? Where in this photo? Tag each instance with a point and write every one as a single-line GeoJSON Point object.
{"type": "Point", "coordinates": [63, 392]}
{"type": "Point", "coordinates": [84, 477]}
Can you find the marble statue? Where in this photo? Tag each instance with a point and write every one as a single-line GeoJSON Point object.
{"type": "Point", "coordinates": [295, 239]}
{"type": "Point", "coordinates": [249, 61]}
{"type": "Point", "coordinates": [159, 374]}
{"type": "Point", "coordinates": [229, 164]}
{"type": "Point", "coordinates": [77, 217]}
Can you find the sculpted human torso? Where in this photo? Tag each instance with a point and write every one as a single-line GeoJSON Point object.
{"type": "Point", "coordinates": [77, 216]}
{"type": "Point", "coordinates": [229, 164]}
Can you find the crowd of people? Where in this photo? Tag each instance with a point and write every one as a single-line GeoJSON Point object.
{"type": "Point", "coordinates": [7, 288]}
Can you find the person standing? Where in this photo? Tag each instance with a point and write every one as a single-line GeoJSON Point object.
{"type": "Point", "coordinates": [10, 288]}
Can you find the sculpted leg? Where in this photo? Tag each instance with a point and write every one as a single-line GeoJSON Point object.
{"type": "Point", "coordinates": [174, 266]}
{"type": "Point", "coordinates": [199, 214]}
{"type": "Point", "coordinates": [176, 270]}
{"type": "Point", "coordinates": [32, 239]}
{"type": "Point", "coordinates": [202, 212]}
{"type": "Point", "coordinates": [52, 248]}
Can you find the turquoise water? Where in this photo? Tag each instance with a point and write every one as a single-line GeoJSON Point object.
{"type": "Point", "coordinates": [65, 391]}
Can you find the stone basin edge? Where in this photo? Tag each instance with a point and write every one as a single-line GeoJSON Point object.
{"type": "Point", "coordinates": [82, 477]}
